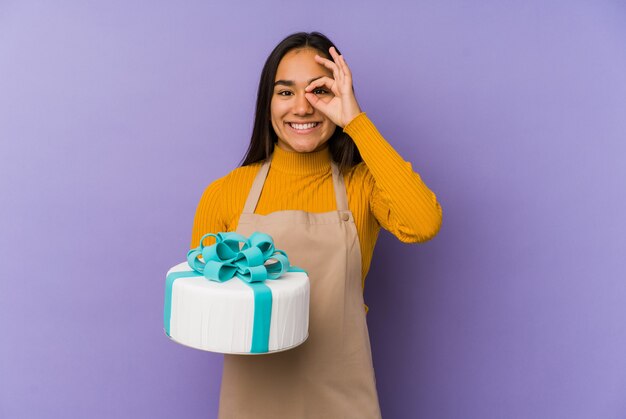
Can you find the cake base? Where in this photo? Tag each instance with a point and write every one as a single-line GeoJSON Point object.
{"type": "Point", "coordinates": [224, 317]}
{"type": "Point", "coordinates": [240, 353]}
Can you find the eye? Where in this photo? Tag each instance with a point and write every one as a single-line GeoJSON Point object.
{"type": "Point", "coordinates": [283, 91]}
{"type": "Point", "coordinates": [322, 91]}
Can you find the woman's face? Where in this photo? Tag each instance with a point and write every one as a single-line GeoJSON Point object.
{"type": "Point", "coordinates": [289, 105]}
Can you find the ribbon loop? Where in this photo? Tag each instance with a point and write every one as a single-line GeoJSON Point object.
{"type": "Point", "coordinates": [252, 256]}
{"type": "Point", "coordinates": [279, 267]}
{"type": "Point", "coordinates": [252, 273]}
{"type": "Point", "coordinates": [219, 271]}
{"type": "Point", "coordinates": [262, 241]}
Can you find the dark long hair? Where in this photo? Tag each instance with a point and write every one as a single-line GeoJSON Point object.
{"type": "Point", "coordinates": [342, 148]}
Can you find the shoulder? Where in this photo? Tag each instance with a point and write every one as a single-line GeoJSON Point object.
{"type": "Point", "coordinates": [241, 176]}
{"type": "Point", "coordinates": [229, 192]}
{"type": "Point", "coordinates": [236, 178]}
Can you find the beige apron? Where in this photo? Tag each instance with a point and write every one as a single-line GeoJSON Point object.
{"type": "Point", "coordinates": [330, 375]}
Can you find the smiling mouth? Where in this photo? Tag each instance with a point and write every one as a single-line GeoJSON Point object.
{"type": "Point", "coordinates": [303, 128]}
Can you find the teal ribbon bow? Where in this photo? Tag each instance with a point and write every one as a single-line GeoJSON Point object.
{"type": "Point", "coordinates": [224, 260]}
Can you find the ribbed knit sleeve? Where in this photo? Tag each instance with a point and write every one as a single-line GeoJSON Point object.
{"type": "Point", "coordinates": [400, 200]}
{"type": "Point", "coordinates": [209, 216]}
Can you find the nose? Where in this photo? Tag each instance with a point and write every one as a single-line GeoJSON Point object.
{"type": "Point", "coordinates": [301, 105]}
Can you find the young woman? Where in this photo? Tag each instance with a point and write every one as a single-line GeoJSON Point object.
{"type": "Point", "coordinates": [321, 180]}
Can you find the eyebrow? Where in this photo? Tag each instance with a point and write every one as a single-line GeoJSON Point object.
{"type": "Point", "coordinates": [291, 82]}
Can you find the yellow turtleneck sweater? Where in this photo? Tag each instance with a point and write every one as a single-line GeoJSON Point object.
{"type": "Point", "coordinates": [383, 191]}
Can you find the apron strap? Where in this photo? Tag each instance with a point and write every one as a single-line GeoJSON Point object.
{"type": "Point", "coordinates": [257, 187]}
{"type": "Point", "coordinates": [341, 196]}
{"type": "Point", "coordinates": [339, 186]}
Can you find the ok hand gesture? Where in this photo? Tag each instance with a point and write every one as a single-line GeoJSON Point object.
{"type": "Point", "coordinates": [343, 107]}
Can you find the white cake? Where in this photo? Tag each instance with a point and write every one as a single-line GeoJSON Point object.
{"type": "Point", "coordinates": [219, 316]}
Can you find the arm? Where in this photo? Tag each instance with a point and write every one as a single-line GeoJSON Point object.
{"type": "Point", "coordinates": [400, 201]}
{"type": "Point", "coordinates": [209, 217]}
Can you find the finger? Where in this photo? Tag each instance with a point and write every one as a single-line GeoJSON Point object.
{"type": "Point", "coordinates": [344, 66]}
{"type": "Point", "coordinates": [316, 102]}
{"type": "Point", "coordinates": [341, 62]}
{"type": "Point", "coordinates": [322, 81]}
{"type": "Point", "coordinates": [333, 53]}
{"type": "Point", "coordinates": [329, 64]}
{"type": "Point", "coordinates": [338, 59]}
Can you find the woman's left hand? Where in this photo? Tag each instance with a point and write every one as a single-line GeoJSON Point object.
{"type": "Point", "coordinates": [343, 107]}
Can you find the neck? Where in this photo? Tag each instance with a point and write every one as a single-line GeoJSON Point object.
{"type": "Point", "coordinates": [314, 162]}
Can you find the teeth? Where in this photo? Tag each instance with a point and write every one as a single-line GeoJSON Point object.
{"type": "Point", "coordinates": [303, 126]}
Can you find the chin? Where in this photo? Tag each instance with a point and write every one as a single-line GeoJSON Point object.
{"type": "Point", "coordinates": [304, 146]}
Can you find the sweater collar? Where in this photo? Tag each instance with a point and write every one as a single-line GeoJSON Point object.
{"type": "Point", "coordinates": [295, 163]}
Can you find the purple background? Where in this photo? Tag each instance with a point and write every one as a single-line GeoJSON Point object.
{"type": "Point", "coordinates": [114, 117]}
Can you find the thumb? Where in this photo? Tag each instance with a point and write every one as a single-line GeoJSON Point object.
{"type": "Point", "coordinates": [316, 102]}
